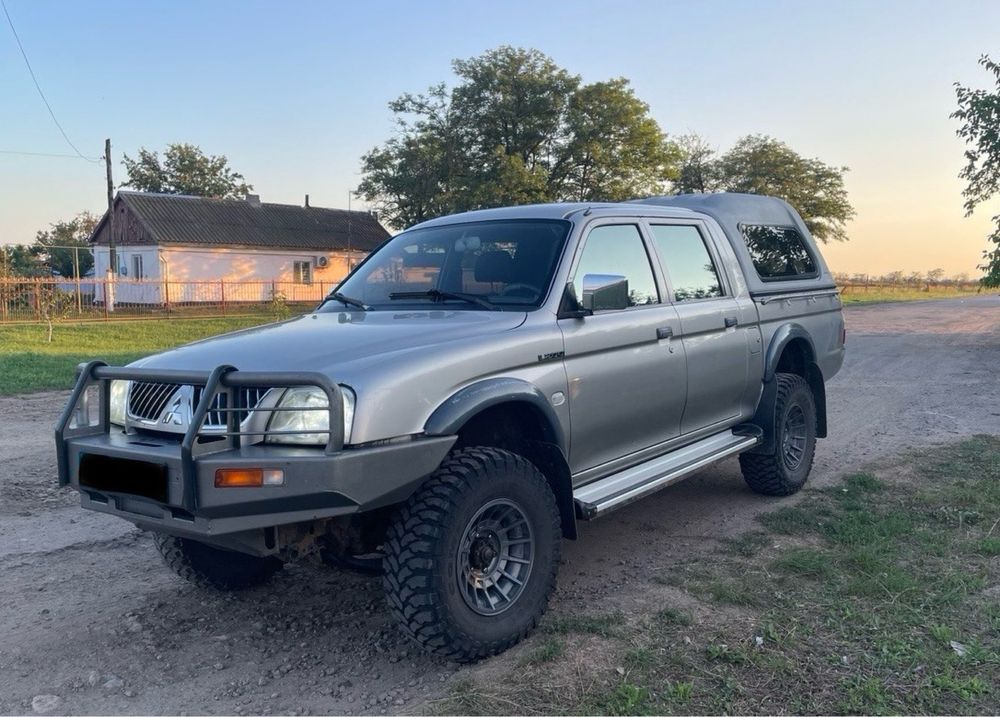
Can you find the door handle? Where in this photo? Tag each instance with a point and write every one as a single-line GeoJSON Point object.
{"type": "Point", "coordinates": [731, 321]}
{"type": "Point", "coordinates": [664, 332]}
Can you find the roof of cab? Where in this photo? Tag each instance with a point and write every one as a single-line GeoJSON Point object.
{"type": "Point", "coordinates": [562, 210]}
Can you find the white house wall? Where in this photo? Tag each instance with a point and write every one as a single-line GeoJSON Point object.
{"type": "Point", "coordinates": [176, 274]}
{"type": "Point", "coordinates": [130, 288]}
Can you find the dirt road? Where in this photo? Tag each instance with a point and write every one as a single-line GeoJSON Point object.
{"type": "Point", "coordinates": [91, 622]}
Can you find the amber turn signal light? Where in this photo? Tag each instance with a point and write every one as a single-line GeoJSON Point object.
{"type": "Point", "coordinates": [248, 477]}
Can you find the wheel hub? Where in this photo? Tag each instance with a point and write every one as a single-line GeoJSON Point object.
{"type": "Point", "coordinates": [485, 549]}
{"type": "Point", "coordinates": [495, 557]}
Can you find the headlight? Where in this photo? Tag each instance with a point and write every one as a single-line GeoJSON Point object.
{"type": "Point", "coordinates": [119, 397]}
{"type": "Point", "coordinates": [309, 420]}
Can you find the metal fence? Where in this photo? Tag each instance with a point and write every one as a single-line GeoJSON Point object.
{"type": "Point", "coordinates": [888, 287]}
{"type": "Point", "coordinates": [32, 300]}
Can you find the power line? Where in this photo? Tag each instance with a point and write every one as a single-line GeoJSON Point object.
{"type": "Point", "coordinates": [47, 154]}
{"type": "Point", "coordinates": [39, 87]}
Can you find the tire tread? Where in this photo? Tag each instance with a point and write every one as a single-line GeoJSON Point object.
{"type": "Point", "coordinates": [410, 565]}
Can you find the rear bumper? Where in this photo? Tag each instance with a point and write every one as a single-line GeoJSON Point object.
{"type": "Point", "coordinates": [168, 484]}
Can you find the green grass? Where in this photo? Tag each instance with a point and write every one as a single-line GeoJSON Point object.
{"type": "Point", "coordinates": [881, 296]}
{"type": "Point", "coordinates": [874, 596]}
{"type": "Point", "coordinates": [607, 625]}
{"type": "Point", "coordinates": [30, 363]}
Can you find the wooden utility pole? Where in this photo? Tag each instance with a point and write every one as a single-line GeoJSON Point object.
{"type": "Point", "coordinates": [112, 255]}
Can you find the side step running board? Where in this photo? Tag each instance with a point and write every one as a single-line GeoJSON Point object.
{"type": "Point", "coordinates": [618, 489]}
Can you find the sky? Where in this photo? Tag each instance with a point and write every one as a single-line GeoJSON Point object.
{"type": "Point", "coordinates": [293, 93]}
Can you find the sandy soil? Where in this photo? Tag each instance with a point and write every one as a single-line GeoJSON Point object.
{"type": "Point", "coordinates": [93, 623]}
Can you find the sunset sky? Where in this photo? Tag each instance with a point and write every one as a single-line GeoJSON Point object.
{"type": "Point", "coordinates": [294, 92]}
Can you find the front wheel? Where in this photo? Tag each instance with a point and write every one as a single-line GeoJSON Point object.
{"type": "Point", "coordinates": [210, 567]}
{"type": "Point", "coordinates": [471, 559]}
{"type": "Point", "coordinates": [785, 470]}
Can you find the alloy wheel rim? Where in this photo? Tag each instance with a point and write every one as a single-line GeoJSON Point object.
{"type": "Point", "coordinates": [794, 437]}
{"type": "Point", "coordinates": [495, 557]}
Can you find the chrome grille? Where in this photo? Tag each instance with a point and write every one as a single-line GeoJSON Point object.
{"type": "Point", "coordinates": [147, 400]}
{"type": "Point", "coordinates": [216, 417]}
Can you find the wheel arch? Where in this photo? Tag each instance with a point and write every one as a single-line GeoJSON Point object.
{"type": "Point", "coordinates": [791, 350]}
{"type": "Point", "coordinates": [513, 415]}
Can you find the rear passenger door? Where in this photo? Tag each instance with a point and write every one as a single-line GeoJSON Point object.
{"type": "Point", "coordinates": [716, 347]}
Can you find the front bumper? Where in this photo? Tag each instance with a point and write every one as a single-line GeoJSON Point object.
{"type": "Point", "coordinates": [318, 482]}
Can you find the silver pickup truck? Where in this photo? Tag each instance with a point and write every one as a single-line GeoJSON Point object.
{"type": "Point", "coordinates": [472, 390]}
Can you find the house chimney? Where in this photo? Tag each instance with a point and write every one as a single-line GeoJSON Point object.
{"type": "Point", "coordinates": [307, 201]}
{"type": "Point", "coordinates": [253, 200]}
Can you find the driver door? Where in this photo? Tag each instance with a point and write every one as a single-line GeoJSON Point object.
{"type": "Point", "coordinates": [626, 374]}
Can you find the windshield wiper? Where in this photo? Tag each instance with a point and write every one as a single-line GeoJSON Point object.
{"type": "Point", "coordinates": [438, 295]}
{"type": "Point", "coordinates": [347, 300]}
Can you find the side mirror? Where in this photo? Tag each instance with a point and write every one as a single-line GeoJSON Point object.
{"type": "Point", "coordinates": [604, 292]}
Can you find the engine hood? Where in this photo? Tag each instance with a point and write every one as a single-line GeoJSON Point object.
{"type": "Point", "coordinates": [328, 342]}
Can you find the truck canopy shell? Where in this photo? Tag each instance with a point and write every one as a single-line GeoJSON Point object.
{"type": "Point", "coordinates": [732, 211]}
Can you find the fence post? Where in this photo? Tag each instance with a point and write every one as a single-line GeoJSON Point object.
{"type": "Point", "coordinates": [38, 298]}
{"type": "Point", "coordinates": [4, 298]}
{"type": "Point", "coordinates": [107, 297]}
{"type": "Point", "coordinates": [222, 285]}
{"type": "Point", "coordinates": [166, 295]}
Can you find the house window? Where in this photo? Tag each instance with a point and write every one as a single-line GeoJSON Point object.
{"type": "Point", "coordinates": [302, 272]}
{"type": "Point", "coordinates": [137, 274]}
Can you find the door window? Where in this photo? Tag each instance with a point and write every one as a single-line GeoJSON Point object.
{"type": "Point", "coordinates": [687, 262]}
{"type": "Point", "coordinates": [618, 249]}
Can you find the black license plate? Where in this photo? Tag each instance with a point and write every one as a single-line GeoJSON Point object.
{"type": "Point", "coordinates": [124, 475]}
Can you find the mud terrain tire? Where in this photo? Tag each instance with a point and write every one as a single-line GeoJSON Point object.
{"type": "Point", "coordinates": [471, 558]}
{"type": "Point", "coordinates": [209, 567]}
{"type": "Point", "coordinates": [785, 470]}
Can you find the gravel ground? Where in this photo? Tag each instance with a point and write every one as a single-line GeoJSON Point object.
{"type": "Point", "coordinates": [93, 623]}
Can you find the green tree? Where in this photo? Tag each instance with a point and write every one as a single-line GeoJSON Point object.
{"type": "Point", "coordinates": [65, 243]}
{"type": "Point", "coordinates": [516, 128]}
{"type": "Point", "coordinates": [979, 112]}
{"type": "Point", "coordinates": [615, 150]}
{"type": "Point", "coordinates": [698, 170]}
{"type": "Point", "coordinates": [185, 169]}
{"type": "Point", "coordinates": [21, 260]}
{"type": "Point", "coordinates": [416, 175]}
{"type": "Point", "coordinates": [758, 164]}
{"type": "Point", "coordinates": [513, 99]}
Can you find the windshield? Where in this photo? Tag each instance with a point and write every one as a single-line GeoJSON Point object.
{"type": "Point", "coordinates": [475, 266]}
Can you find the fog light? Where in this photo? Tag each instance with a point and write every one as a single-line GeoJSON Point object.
{"type": "Point", "coordinates": [248, 477]}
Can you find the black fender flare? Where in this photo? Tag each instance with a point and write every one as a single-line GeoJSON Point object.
{"type": "Point", "coordinates": [764, 415]}
{"type": "Point", "coordinates": [450, 416]}
{"type": "Point", "coordinates": [549, 451]}
{"type": "Point", "coordinates": [785, 334]}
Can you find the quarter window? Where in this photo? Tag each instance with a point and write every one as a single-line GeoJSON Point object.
{"type": "Point", "coordinates": [618, 249]}
{"type": "Point", "coordinates": [687, 262]}
{"type": "Point", "coordinates": [778, 253]}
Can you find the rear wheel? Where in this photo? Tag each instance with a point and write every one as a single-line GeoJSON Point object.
{"type": "Point", "coordinates": [471, 559]}
{"type": "Point", "coordinates": [210, 567]}
{"type": "Point", "coordinates": [785, 470]}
